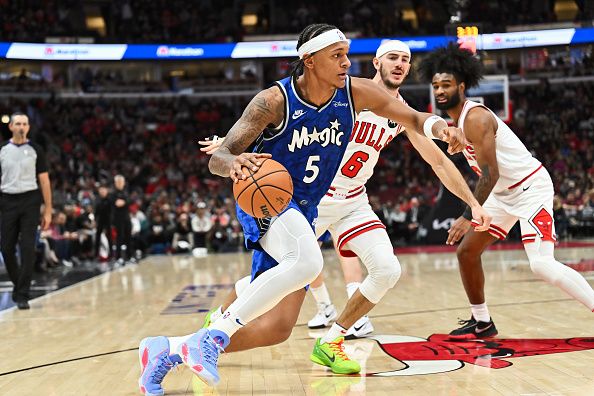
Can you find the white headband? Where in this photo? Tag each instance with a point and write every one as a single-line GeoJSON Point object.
{"type": "Point", "coordinates": [392, 45]}
{"type": "Point", "coordinates": [322, 41]}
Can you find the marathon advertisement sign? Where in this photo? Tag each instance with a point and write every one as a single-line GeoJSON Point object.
{"type": "Point", "coordinates": [66, 51]}
{"type": "Point", "coordinates": [278, 49]}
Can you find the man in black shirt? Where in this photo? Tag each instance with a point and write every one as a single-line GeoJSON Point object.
{"type": "Point", "coordinates": [121, 219]}
{"type": "Point", "coordinates": [103, 219]}
{"type": "Point", "coordinates": [24, 172]}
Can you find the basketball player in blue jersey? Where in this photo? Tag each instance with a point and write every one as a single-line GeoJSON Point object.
{"type": "Point", "coordinates": [304, 122]}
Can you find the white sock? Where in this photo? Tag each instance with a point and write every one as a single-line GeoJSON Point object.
{"type": "Point", "coordinates": [216, 314]}
{"type": "Point", "coordinates": [352, 288]}
{"type": "Point", "coordinates": [335, 331]}
{"type": "Point", "coordinates": [320, 294]}
{"type": "Point", "coordinates": [228, 324]}
{"type": "Point", "coordinates": [480, 312]}
{"type": "Point", "coordinates": [175, 342]}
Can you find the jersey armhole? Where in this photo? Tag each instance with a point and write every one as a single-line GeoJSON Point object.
{"type": "Point", "coordinates": [274, 132]}
{"type": "Point", "coordinates": [351, 101]}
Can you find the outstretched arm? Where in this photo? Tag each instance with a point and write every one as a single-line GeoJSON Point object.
{"type": "Point", "coordinates": [368, 95]}
{"type": "Point", "coordinates": [265, 109]}
{"type": "Point", "coordinates": [449, 175]}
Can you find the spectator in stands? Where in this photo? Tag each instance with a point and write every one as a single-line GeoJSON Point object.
{"type": "Point", "coordinates": [183, 238]}
{"type": "Point", "coordinates": [201, 225]}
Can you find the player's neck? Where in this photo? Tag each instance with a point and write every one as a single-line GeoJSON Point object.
{"type": "Point", "coordinates": [313, 90]}
{"type": "Point", "coordinates": [456, 111]}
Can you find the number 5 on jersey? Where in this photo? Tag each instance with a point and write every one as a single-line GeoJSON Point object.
{"type": "Point", "coordinates": [313, 168]}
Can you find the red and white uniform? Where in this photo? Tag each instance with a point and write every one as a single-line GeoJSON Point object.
{"type": "Point", "coordinates": [345, 211]}
{"type": "Point", "coordinates": [524, 190]}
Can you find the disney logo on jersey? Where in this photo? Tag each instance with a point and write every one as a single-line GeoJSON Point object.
{"type": "Point", "coordinates": [328, 135]}
{"type": "Point", "coordinates": [340, 104]}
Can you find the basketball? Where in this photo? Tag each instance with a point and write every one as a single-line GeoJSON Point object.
{"type": "Point", "coordinates": [265, 193]}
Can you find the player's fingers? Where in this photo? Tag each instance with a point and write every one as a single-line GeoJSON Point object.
{"type": "Point", "coordinates": [236, 169]}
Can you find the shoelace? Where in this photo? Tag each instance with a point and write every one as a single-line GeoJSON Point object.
{"type": "Point", "coordinates": [211, 351]}
{"type": "Point", "coordinates": [338, 349]}
{"type": "Point", "coordinates": [165, 364]}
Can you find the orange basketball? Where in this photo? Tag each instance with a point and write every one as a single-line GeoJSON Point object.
{"type": "Point", "coordinates": [265, 193]}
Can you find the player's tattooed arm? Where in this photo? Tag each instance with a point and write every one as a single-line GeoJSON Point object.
{"type": "Point", "coordinates": [480, 127]}
{"type": "Point", "coordinates": [266, 108]}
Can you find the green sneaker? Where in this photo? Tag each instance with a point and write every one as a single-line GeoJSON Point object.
{"type": "Point", "coordinates": [207, 320]}
{"type": "Point", "coordinates": [331, 354]}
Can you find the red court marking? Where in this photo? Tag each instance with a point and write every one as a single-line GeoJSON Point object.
{"type": "Point", "coordinates": [584, 265]}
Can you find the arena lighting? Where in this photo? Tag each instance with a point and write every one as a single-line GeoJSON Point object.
{"type": "Point", "coordinates": [5, 118]}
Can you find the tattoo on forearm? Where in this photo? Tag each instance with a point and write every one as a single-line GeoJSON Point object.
{"type": "Point", "coordinates": [264, 109]}
{"type": "Point", "coordinates": [484, 185]}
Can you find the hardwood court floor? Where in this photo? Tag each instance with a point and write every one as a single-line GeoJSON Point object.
{"type": "Point", "coordinates": [82, 340]}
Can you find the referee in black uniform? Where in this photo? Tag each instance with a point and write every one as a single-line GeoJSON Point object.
{"type": "Point", "coordinates": [24, 172]}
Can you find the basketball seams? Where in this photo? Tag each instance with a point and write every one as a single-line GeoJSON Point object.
{"type": "Point", "coordinates": [256, 182]}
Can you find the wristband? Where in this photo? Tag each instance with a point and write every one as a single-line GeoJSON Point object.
{"type": "Point", "coordinates": [428, 126]}
{"type": "Point", "coordinates": [467, 213]}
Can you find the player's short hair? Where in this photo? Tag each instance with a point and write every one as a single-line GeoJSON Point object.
{"type": "Point", "coordinates": [455, 60]}
{"type": "Point", "coordinates": [311, 31]}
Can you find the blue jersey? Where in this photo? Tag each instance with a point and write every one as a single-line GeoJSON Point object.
{"type": "Point", "coordinates": [310, 143]}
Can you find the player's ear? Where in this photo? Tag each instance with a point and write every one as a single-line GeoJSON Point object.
{"type": "Point", "coordinates": [376, 63]}
{"type": "Point", "coordinates": [462, 87]}
{"type": "Point", "coordinates": [308, 61]}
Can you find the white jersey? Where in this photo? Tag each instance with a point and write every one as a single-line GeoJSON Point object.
{"type": "Point", "coordinates": [514, 161]}
{"type": "Point", "coordinates": [370, 135]}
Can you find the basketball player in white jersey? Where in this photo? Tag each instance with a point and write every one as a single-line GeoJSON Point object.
{"type": "Point", "coordinates": [345, 207]}
{"type": "Point", "coordinates": [346, 213]}
{"type": "Point", "coordinates": [512, 185]}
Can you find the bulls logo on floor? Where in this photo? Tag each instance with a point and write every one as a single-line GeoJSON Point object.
{"type": "Point", "coordinates": [439, 355]}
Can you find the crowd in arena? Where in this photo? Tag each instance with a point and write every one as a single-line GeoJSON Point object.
{"type": "Point", "coordinates": [147, 21]}
{"type": "Point", "coordinates": [173, 198]}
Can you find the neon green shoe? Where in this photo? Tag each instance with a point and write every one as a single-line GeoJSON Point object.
{"type": "Point", "coordinates": [331, 354]}
{"type": "Point", "coordinates": [207, 320]}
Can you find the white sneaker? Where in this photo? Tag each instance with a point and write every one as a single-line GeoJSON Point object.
{"type": "Point", "coordinates": [361, 328]}
{"type": "Point", "coordinates": [325, 315]}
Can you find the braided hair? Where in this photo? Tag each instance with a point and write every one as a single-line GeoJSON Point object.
{"type": "Point", "coordinates": [452, 59]}
{"type": "Point", "coordinates": [311, 31]}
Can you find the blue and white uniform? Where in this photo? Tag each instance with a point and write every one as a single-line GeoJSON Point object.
{"type": "Point", "coordinates": [310, 142]}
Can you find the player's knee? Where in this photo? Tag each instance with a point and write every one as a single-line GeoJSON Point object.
{"type": "Point", "coordinates": [310, 264]}
{"type": "Point", "coordinates": [543, 267]}
{"type": "Point", "coordinates": [466, 253]}
{"type": "Point", "coordinates": [384, 270]}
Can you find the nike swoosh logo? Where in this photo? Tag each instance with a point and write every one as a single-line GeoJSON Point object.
{"type": "Point", "coordinates": [526, 188]}
{"type": "Point", "coordinates": [478, 331]}
{"type": "Point", "coordinates": [332, 358]}
{"type": "Point", "coordinates": [297, 115]}
{"type": "Point", "coordinates": [327, 316]}
{"type": "Point", "coordinates": [360, 327]}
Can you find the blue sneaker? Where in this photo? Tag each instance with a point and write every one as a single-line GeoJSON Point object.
{"type": "Point", "coordinates": [155, 363]}
{"type": "Point", "coordinates": [201, 353]}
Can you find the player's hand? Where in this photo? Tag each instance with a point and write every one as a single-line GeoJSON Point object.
{"type": "Point", "coordinates": [455, 139]}
{"type": "Point", "coordinates": [252, 161]}
{"type": "Point", "coordinates": [46, 220]}
{"type": "Point", "coordinates": [211, 144]}
{"type": "Point", "coordinates": [457, 230]}
{"type": "Point", "coordinates": [480, 216]}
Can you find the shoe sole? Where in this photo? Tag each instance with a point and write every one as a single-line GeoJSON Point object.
{"type": "Point", "coordinates": [202, 374]}
{"type": "Point", "coordinates": [319, 361]}
{"type": "Point", "coordinates": [322, 326]}
{"type": "Point", "coordinates": [470, 336]}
